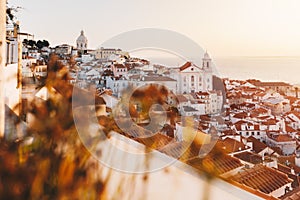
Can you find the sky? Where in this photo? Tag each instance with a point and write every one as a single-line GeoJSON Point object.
{"type": "Point", "coordinates": [223, 27]}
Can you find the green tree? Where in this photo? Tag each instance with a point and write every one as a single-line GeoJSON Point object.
{"type": "Point", "coordinates": [40, 44]}
{"type": "Point", "coordinates": [46, 43]}
{"type": "Point", "coordinates": [32, 43]}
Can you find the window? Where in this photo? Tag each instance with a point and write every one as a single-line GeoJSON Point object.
{"type": "Point", "coordinates": [192, 79]}
{"type": "Point", "coordinates": [253, 133]}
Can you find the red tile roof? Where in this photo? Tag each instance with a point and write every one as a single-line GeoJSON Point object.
{"type": "Point", "coordinates": [262, 178]}
{"type": "Point", "coordinates": [251, 157]}
{"type": "Point", "coordinates": [280, 137]}
{"type": "Point", "coordinates": [215, 164]}
{"type": "Point", "coordinates": [181, 98]}
{"type": "Point", "coordinates": [155, 141]}
{"type": "Point", "coordinates": [185, 66]}
{"type": "Point", "coordinates": [257, 145]}
{"type": "Point", "coordinates": [230, 145]}
{"type": "Point", "coordinates": [294, 195]}
{"type": "Point", "coordinates": [241, 115]}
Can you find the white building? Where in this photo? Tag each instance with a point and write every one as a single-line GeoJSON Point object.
{"type": "Point", "coordinates": [200, 103]}
{"type": "Point", "coordinates": [285, 142]}
{"type": "Point", "coordinates": [85, 58]}
{"type": "Point", "coordinates": [117, 85]}
{"type": "Point", "coordinates": [119, 70]}
{"type": "Point", "coordinates": [192, 78]}
{"type": "Point", "coordinates": [63, 49]}
{"type": "Point", "coordinates": [82, 42]}
{"type": "Point", "coordinates": [105, 53]}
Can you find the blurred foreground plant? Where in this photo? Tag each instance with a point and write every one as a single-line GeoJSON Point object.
{"type": "Point", "coordinates": [50, 162]}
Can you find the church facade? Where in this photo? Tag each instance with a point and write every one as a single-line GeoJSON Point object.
{"type": "Point", "coordinates": [192, 78]}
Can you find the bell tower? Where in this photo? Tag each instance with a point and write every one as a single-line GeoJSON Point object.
{"type": "Point", "coordinates": [206, 62]}
{"type": "Point", "coordinates": [207, 71]}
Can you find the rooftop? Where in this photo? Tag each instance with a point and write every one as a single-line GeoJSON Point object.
{"type": "Point", "coordinates": [262, 178]}
{"type": "Point", "coordinates": [215, 163]}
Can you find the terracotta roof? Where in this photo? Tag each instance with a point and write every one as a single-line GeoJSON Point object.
{"type": "Point", "coordinates": [289, 129]}
{"type": "Point", "coordinates": [283, 168]}
{"type": "Point", "coordinates": [229, 132]}
{"type": "Point", "coordinates": [230, 145]}
{"type": "Point", "coordinates": [240, 122]}
{"type": "Point", "coordinates": [241, 115]}
{"type": "Point", "coordinates": [280, 137]}
{"type": "Point", "coordinates": [259, 111]}
{"type": "Point", "coordinates": [151, 78]}
{"type": "Point", "coordinates": [250, 157]}
{"type": "Point", "coordinates": [181, 98]}
{"type": "Point", "coordinates": [262, 178]}
{"type": "Point", "coordinates": [270, 84]}
{"type": "Point", "coordinates": [134, 130]}
{"type": "Point", "coordinates": [185, 66]}
{"type": "Point", "coordinates": [257, 145]}
{"type": "Point", "coordinates": [276, 150]}
{"type": "Point", "coordinates": [155, 141]}
{"type": "Point", "coordinates": [120, 66]}
{"type": "Point", "coordinates": [289, 161]}
{"type": "Point", "coordinates": [293, 195]}
{"type": "Point", "coordinates": [263, 117]}
{"type": "Point", "coordinates": [200, 93]}
{"type": "Point", "coordinates": [215, 164]}
{"type": "Point", "coordinates": [261, 94]}
{"type": "Point", "coordinates": [180, 150]}
{"type": "Point", "coordinates": [270, 122]}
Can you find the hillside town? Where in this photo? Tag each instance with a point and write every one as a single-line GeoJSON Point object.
{"type": "Point", "coordinates": [254, 125]}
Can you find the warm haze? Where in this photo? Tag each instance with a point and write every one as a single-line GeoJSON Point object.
{"type": "Point", "coordinates": [226, 28]}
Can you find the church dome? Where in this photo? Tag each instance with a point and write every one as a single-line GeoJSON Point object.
{"type": "Point", "coordinates": [82, 37]}
{"type": "Point", "coordinates": [81, 41]}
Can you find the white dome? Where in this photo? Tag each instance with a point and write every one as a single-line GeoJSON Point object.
{"type": "Point", "coordinates": [82, 38]}
{"type": "Point", "coordinates": [82, 42]}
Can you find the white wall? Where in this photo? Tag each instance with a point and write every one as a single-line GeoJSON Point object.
{"type": "Point", "coordinates": [12, 93]}
{"type": "Point", "coordinates": [176, 181]}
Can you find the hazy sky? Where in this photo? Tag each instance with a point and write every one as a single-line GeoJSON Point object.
{"type": "Point", "coordinates": [224, 27]}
